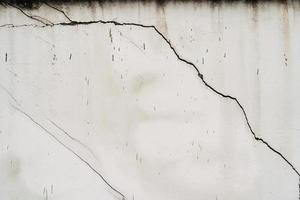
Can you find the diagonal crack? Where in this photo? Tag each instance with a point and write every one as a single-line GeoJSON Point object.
{"type": "Point", "coordinates": [9, 94]}
{"type": "Point", "coordinates": [18, 108]}
{"type": "Point", "coordinates": [199, 74]}
{"type": "Point", "coordinates": [58, 11]}
{"type": "Point", "coordinates": [73, 138]}
{"type": "Point", "coordinates": [69, 149]}
{"type": "Point", "coordinates": [36, 18]}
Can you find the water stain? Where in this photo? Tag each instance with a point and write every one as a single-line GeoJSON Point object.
{"type": "Point", "coordinates": [142, 82]}
{"type": "Point", "coordinates": [286, 28]}
{"type": "Point", "coordinates": [12, 184]}
{"type": "Point", "coordinates": [161, 22]}
{"type": "Point", "coordinates": [35, 4]}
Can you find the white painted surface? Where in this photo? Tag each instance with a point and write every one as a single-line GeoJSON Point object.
{"type": "Point", "coordinates": [142, 118]}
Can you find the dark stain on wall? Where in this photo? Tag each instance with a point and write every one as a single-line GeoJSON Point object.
{"type": "Point", "coordinates": [33, 4]}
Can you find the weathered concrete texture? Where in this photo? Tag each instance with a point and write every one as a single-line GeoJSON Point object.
{"type": "Point", "coordinates": [91, 109]}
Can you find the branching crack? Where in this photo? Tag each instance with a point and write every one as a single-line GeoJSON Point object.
{"type": "Point", "coordinates": [33, 17]}
{"type": "Point", "coordinates": [200, 75]}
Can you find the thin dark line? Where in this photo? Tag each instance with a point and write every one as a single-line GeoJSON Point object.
{"type": "Point", "coordinates": [30, 16]}
{"type": "Point", "coordinates": [72, 138]}
{"type": "Point", "coordinates": [61, 11]}
{"type": "Point", "coordinates": [68, 148]}
{"type": "Point", "coordinates": [9, 94]}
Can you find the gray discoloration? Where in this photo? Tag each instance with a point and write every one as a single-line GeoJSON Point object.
{"type": "Point", "coordinates": [140, 83]}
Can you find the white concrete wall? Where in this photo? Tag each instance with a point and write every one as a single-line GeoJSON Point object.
{"type": "Point", "coordinates": [104, 111]}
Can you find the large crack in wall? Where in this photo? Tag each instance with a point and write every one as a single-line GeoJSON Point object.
{"type": "Point", "coordinates": [47, 23]}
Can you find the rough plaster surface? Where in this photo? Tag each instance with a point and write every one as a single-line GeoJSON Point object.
{"type": "Point", "coordinates": [147, 101]}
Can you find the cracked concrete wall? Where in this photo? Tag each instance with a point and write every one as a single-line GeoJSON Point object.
{"type": "Point", "coordinates": [146, 101]}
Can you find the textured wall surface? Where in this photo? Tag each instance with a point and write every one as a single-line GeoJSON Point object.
{"type": "Point", "coordinates": [156, 100]}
